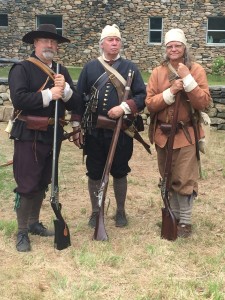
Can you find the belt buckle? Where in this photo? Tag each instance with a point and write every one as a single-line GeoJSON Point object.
{"type": "Point", "coordinates": [51, 121]}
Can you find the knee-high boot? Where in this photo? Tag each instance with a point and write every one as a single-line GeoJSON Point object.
{"type": "Point", "coordinates": [120, 191]}
{"type": "Point", "coordinates": [93, 187]}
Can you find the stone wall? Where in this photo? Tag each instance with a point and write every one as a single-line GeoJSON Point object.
{"type": "Point", "coordinates": [83, 21]}
{"type": "Point", "coordinates": [216, 111]}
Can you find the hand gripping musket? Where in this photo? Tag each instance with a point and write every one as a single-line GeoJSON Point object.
{"type": "Point", "coordinates": [62, 234]}
{"type": "Point", "coordinates": [100, 232]}
{"type": "Point", "coordinates": [169, 223]}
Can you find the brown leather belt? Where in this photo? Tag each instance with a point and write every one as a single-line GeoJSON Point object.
{"type": "Point", "coordinates": [51, 121]}
{"type": "Point", "coordinates": [166, 128]}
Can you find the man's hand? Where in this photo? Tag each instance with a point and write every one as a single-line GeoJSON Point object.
{"type": "Point", "coordinates": [176, 86]}
{"type": "Point", "coordinates": [182, 70]}
{"type": "Point", "coordinates": [115, 112]}
{"type": "Point", "coordinates": [59, 81]}
{"type": "Point", "coordinates": [57, 92]}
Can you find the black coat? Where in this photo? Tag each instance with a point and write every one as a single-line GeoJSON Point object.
{"type": "Point", "coordinates": [107, 96]}
{"type": "Point", "coordinates": [94, 69]}
{"type": "Point", "coordinates": [25, 79]}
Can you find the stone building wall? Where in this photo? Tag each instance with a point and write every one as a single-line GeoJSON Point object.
{"type": "Point", "coordinates": [83, 21]}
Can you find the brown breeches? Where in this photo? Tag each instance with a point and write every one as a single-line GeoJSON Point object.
{"type": "Point", "coordinates": [184, 169]}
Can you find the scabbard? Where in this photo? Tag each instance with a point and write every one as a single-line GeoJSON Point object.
{"type": "Point", "coordinates": [136, 135]}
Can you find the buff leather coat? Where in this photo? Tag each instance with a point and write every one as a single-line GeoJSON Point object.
{"type": "Point", "coordinates": [199, 98]}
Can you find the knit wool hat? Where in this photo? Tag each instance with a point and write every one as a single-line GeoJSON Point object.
{"type": "Point", "coordinates": [46, 31]}
{"type": "Point", "coordinates": [110, 31]}
{"type": "Point", "coordinates": [175, 35]}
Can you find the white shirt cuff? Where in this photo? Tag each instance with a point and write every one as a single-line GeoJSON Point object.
{"type": "Point", "coordinates": [168, 97]}
{"type": "Point", "coordinates": [75, 123]}
{"type": "Point", "coordinates": [47, 97]}
{"type": "Point", "coordinates": [67, 93]}
{"type": "Point", "coordinates": [125, 108]}
{"type": "Point", "coordinates": [189, 83]}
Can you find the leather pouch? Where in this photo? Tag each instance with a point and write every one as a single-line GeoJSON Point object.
{"type": "Point", "coordinates": [37, 123]}
{"type": "Point", "coordinates": [139, 124]}
{"type": "Point", "coordinates": [165, 128]}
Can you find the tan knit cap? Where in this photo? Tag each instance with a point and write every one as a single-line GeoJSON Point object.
{"type": "Point", "coordinates": [175, 35]}
{"type": "Point", "coordinates": [110, 31]}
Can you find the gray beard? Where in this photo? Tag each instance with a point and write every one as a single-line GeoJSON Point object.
{"type": "Point", "coordinates": [48, 55]}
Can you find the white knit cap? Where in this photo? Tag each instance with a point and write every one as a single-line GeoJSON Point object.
{"type": "Point", "coordinates": [175, 35]}
{"type": "Point", "coordinates": [110, 31]}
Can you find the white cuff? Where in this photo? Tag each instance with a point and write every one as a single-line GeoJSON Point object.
{"type": "Point", "coordinates": [125, 108]}
{"type": "Point", "coordinates": [67, 93]}
{"type": "Point", "coordinates": [168, 97]}
{"type": "Point", "coordinates": [189, 83]}
{"type": "Point", "coordinates": [75, 123]}
{"type": "Point", "coordinates": [47, 97]}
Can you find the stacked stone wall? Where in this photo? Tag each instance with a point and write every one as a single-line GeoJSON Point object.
{"type": "Point", "coordinates": [83, 21]}
{"type": "Point", "coordinates": [216, 111]}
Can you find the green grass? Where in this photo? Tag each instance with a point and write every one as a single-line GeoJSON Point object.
{"type": "Point", "coordinates": [75, 72]}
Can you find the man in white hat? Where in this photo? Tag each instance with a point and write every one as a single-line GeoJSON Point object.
{"type": "Point", "coordinates": [178, 73]}
{"type": "Point", "coordinates": [34, 92]}
{"type": "Point", "coordinates": [106, 101]}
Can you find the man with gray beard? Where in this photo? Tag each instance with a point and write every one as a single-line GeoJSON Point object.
{"type": "Point", "coordinates": [34, 88]}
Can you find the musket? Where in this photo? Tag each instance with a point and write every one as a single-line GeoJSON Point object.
{"type": "Point", "coordinates": [62, 234]}
{"type": "Point", "coordinates": [196, 135]}
{"type": "Point", "coordinates": [169, 222]}
{"type": "Point", "coordinates": [100, 231]}
{"type": "Point", "coordinates": [130, 130]}
{"type": "Point", "coordinates": [9, 61]}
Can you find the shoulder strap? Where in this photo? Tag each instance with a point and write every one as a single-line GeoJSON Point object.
{"type": "Point", "coordinates": [112, 70]}
{"type": "Point", "coordinates": [42, 66]}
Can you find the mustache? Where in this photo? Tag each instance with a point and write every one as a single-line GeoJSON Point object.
{"type": "Point", "coordinates": [49, 50]}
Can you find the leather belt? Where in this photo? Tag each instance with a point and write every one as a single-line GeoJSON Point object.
{"type": "Point", "coordinates": [180, 125]}
{"type": "Point", "coordinates": [51, 121]}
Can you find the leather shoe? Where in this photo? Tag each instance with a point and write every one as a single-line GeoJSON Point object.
{"type": "Point", "coordinates": [23, 242]}
{"type": "Point", "coordinates": [120, 218]}
{"type": "Point", "coordinates": [38, 228]}
{"type": "Point", "coordinates": [184, 230]}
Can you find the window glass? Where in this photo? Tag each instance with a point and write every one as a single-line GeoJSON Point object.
{"type": "Point", "coordinates": [51, 19]}
{"type": "Point", "coordinates": [3, 20]}
{"type": "Point", "coordinates": [216, 30]}
{"type": "Point", "coordinates": [155, 30]}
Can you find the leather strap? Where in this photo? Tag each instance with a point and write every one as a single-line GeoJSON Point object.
{"type": "Point", "coordinates": [101, 81]}
{"type": "Point", "coordinates": [112, 70]}
{"type": "Point", "coordinates": [42, 66]}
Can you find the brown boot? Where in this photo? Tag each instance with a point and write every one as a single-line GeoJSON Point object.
{"type": "Point", "coordinates": [184, 230]}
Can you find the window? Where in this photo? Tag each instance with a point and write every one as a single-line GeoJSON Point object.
{"type": "Point", "coordinates": [155, 30]}
{"type": "Point", "coordinates": [3, 20]}
{"type": "Point", "coordinates": [51, 19]}
{"type": "Point", "coordinates": [216, 30]}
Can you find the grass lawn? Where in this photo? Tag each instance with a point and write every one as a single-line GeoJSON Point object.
{"type": "Point", "coordinates": [135, 263]}
{"type": "Point", "coordinates": [75, 72]}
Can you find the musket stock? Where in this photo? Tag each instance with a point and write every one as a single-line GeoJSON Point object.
{"type": "Point", "coordinates": [100, 231]}
{"type": "Point", "coordinates": [169, 223]}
